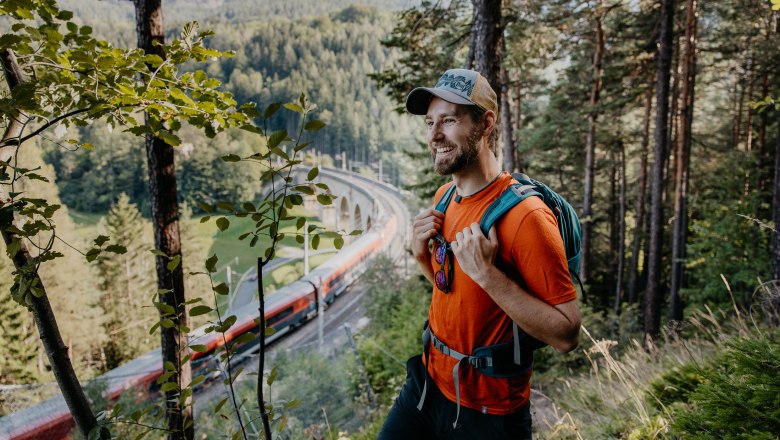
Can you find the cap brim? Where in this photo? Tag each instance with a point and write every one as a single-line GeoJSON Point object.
{"type": "Point", "coordinates": [419, 98]}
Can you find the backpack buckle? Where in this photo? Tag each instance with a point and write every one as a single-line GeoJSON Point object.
{"type": "Point", "coordinates": [478, 362]}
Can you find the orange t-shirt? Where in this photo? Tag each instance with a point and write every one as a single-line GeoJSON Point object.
{"type": "Point", "coordinates": [467, 318]}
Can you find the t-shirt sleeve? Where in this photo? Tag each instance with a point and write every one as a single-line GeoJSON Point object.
{"type": "Point", "coordinates": [540, 257]}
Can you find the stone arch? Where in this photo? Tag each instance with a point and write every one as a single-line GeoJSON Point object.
{"type": "Point", "coordinates": [357, 218]}
{"type": "Point", "coordinates": [369, 223]}
{"type": "Point", "coordinates": [344, 220]}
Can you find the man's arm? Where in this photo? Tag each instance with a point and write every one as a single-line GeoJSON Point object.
{"type": "Point", "coordinates": [557, 325]}
{"type": "Point", "coordinates": [424, 227]}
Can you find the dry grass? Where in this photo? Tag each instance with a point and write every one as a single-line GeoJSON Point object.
{"type": "Point", "coordinates": [613, 399]}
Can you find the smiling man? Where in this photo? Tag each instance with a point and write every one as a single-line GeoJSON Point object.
{"type": "Point", "coordinates": [473, 380]}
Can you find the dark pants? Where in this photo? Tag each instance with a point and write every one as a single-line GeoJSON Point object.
{"type": "Point", "coordinates": [406, 422]}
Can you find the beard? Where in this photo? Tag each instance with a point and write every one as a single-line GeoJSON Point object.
{"type": "Point", "coordinates": [468, 154]}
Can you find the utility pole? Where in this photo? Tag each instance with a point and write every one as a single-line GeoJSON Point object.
{"type": "Point", "coordinates": [320, 298]}
{"type": "Point", "coordinates": [361, 369]}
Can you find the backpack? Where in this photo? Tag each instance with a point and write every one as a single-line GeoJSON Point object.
{"type": "Point", "coordinates": [568, 225]}
{"type": "Point", "coordinates": [568, 221]}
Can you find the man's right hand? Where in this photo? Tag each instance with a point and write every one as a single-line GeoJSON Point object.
{"type": "Point", "coordinates": [425, 226]}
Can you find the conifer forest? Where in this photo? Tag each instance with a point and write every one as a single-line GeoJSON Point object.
{"type": "Point", "coordinates": [160, 157]}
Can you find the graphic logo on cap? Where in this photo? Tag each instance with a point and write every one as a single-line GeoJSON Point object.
{"type": "Point", "coordinates": [459, 83]}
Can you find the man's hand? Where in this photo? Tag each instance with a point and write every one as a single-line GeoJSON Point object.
{"type": "Point", "coordinates": [425, 226]}
{"type": "Point", "coordinates": [475, 252]}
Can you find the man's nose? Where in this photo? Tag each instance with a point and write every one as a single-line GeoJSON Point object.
{"type": "Point", "coordinates": [435, 132]}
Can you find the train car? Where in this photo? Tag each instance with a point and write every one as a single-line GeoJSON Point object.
{"type": "Point", "coordinates": [285, 309]}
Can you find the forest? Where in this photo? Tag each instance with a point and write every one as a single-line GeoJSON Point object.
{"type": "Point", "coordinates": [659, 120]}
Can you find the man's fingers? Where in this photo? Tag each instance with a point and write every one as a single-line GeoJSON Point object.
{"type": "Point", "coordinates": [492, 234]}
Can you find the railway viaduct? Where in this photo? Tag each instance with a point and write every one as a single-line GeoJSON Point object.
{"type": "Point", "coordinates": [355, 207]}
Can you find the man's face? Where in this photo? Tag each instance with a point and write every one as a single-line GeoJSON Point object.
{"type": "Point", "coordinates": [453, 138]}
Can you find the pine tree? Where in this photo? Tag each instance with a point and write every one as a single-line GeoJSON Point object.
{"type": "Point", "coordinates": [126, 282]}
{"type": "Point", "coordinates": [18, 349]}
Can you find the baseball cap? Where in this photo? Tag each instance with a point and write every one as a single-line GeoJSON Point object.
{"type": "Point", "coordinates": [458, 86]}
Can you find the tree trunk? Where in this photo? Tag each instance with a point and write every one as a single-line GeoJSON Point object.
{"type": "Point", "coordinates": [518, 118]}
{"type": "Point", "coordinates": [621, 244]}
{"type": "Point", "coordinates": [261, 352]}
{"type": "Point", "coordinates": [653, 295]}
{"type": "Point", "coordinates": [487, 33]}
{"type": "Point", "coordinates": [641, 201]}
{"type": "Point", "coordinates": [682, 163]}
{"type": "Point", "coordinates": [49, 332]}
{"type": "Point", "coordinates": [165, 221]}
{"type": "Point", "coordinates": [506, 125]}
{"type": "Point", "coordinates": [590, 148]}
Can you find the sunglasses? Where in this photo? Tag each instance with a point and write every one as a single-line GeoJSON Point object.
{"type": "Point", "coordinates": [441, 251]}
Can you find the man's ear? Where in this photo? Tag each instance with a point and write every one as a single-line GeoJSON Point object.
{"type": "Point", "coordinates": [490, 123]}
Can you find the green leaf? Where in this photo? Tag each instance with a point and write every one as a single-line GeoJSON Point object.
{"type": "Point", "coordinates": [356, 232]}
{"type": "Point", "coordinates": [293, 107]}
{"type": "Point", "coordinates": [13, 248]}
{"type": "Point", "coordinates": [92, 254]}
{"type": "Point", "coordinates": [205, 207]}
{"type": "Point", "coordinates": [165, 309]}
{"type": "Point", "coordinates": [276, 138]}
{"type": "Point", "coordinates": [200, 310]}
{"type": "Point", "coordinates": [211, 263]}
{"type": "Point", "coordinates": [227, 206]}
{"type": "Point", "coordinates": [269, 331]}
{"type": "Point", "coordinates": [315, 241]}
{"type": "Point", "coordinates": [221, 289]}
{"type": "Point", "coordinates": [220, 405]}
{"type": "Point", "coordinates": [116, 248]}
{"type": "Point", "coordinates": [314, 125]}
{"type": "Point", "coordinates": [313, 173]}
{"type": "Point", "coordinates": [292, 404]}
{"type": "Point", "coordinates": [197, 381]}
{"type": "Point", "coordinates": [271, 109]}
{"type": "Point", "coordinates": [169, 386]}
{"type": "Point", "coordinates": [324, 199]}
{"type": "Point", "coordinates": [200, 348]}
{"type": "Point", "coordinates": [101, 240]}
{"type": "Point", "coordinates": [169, 138]}
{"type": "Point", "coordinates": [174, 263]}
{"type": "Point", "coordinates": [246, 337]}
{"type": "Point", "coordinates": [167, 323]}
{"type": "Point", "coordinates": [338, 242]}
{"type": "Point", "coordinates": [231, 158]}
{"type": "Point", "coordinates": [273, 375]}
{"type": "Point", "coordinates": [159, 253]}
{"type": "Point", "coordinates": [154, 328]}
{"type": "Point", "coordinates": [223, 223]}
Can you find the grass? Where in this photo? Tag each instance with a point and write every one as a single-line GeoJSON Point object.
{"type": "Point", "coordinates": [614, 397]}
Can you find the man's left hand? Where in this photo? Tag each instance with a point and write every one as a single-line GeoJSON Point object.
{"type": "Point", "coordinates": [475, 252]}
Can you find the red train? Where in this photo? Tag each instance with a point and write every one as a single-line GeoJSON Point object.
{"type": "Point", "coordinates": [286, 309]}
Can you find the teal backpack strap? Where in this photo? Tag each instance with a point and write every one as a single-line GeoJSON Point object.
{"type": "Point", "coordinates": [445, 200]}
{"type": "Point", "coordinates": [506, 201]}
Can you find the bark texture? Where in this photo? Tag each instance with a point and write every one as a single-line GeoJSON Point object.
{"type": "Point", "coordinates": [641, 202]}
{"type": "Point", "coordinates": [652, 318]}
{"type": "Point", "coordinates": [682, 164]}
{"type": "Point", "coordinates": [590, 147]}
{"type": "Point", "coordinates": [165, 221]}
{"type": "Point", "coordinates": [487, 33]}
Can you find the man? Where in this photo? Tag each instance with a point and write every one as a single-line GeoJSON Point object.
{"type": "Point", "coordinates": [451, 394]}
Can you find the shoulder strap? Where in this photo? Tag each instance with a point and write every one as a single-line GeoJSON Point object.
{"type": "Point", "coordinates": [506, 201]}
{"type": "Point", "coordinates": [445, 200]}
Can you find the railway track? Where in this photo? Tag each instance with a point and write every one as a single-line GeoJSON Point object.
{"type": "Point", "coordinates": [288, 308]}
